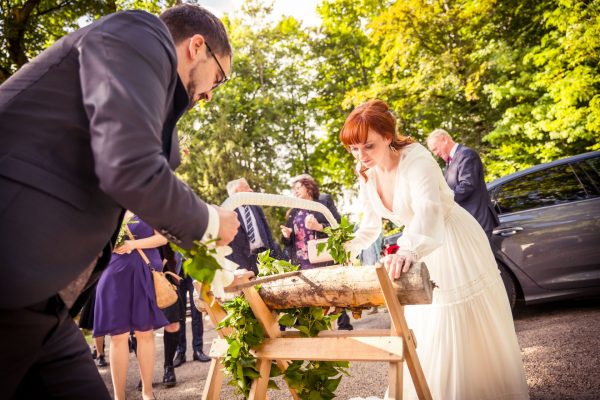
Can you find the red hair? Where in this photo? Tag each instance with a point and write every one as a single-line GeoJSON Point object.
{"type": "Point", "coordinates": [374, 115]}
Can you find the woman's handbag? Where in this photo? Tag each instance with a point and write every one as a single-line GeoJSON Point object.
{"type": "Point", "coordinates": [165, 292]}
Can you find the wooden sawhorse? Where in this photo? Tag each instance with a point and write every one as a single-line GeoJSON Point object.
{"type": "Point", "coordinates": [394, 346]}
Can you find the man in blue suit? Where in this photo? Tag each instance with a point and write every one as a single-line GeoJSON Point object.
{"type": "Point", "coordinates": [464, 174]}
{"type": "Point", "coordinates": [254, 235]}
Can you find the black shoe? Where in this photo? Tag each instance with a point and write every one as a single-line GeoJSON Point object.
{"type": "Point", "coordinates": [179, 359]}
{"type": "Point", "coordinates": [169, 379]}
{"type": "Point", "coordinates": [200, 356]}
{"type": "Point", "coordinates": [100, 361]}
{"type": "Point", "coordinates": [94, 353]}
{"type": "Point", "coordinates": [348, 327]}
{"type": "Point", "coordinates": [139, 386]}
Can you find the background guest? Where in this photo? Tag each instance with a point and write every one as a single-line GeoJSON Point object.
{"type": "Point", "coordinates": [186, 288]}
{"type": "Point", "coordinates": [86, 321]}
{"type": "Point", "coordinates": [254, 235]}
{"type": "Point", "coordinates": [302, 226]}
{"type": "Point", "coordinates": [125, 301]}
{"type": "Point", "coordinates": [174, 314]}
{"type": "Point", "coordinates": [464, 175]}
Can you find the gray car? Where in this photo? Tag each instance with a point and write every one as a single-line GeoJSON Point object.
{"type": "Point", "coordinates": [548, 243]}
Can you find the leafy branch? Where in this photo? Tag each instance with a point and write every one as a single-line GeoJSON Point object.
{"type": "Point", "coordinates": [268, 265]}
{"type": "Point", "coordinates": [336, 239]}
{"type": "Point", "coordinates": [200, 262]}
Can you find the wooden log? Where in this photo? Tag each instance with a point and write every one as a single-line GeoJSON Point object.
{"type": "Point", "coordinates": [345, 286]}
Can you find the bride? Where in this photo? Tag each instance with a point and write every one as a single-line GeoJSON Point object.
{"type": "Point", "coordinates": [466, 339]}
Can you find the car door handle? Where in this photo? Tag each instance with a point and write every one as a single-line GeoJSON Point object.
{"type": "Point", "coordinates": [509, 231]}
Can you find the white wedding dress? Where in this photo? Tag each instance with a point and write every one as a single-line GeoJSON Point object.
{"type": "Point", "coordinates": [466, 338]}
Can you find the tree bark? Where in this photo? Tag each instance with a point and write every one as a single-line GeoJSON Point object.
{"type": "Point", "coordinates": [345, 286]}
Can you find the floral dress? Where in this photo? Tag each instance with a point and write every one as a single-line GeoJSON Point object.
{"type": "Point", "coordinates": [303, 235]}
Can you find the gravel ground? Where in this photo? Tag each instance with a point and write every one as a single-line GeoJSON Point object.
{"type": "Point", "coordinates": [560, 344]}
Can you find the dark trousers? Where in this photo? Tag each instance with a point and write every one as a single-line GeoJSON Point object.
{"type": "Point", "coordinates": [186, 287]}
{"type": "Point", "coordinates": [44, 355]}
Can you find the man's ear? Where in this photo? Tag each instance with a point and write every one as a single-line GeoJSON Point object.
{"type": "Point", "coordinates": [195, 46]}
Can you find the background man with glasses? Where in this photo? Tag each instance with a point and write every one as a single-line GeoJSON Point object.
{"type": "Point", "coordinates": [87, 129]}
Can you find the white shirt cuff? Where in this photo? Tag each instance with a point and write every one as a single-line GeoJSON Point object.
{"type": "Point", "coordinates": [212, 228]}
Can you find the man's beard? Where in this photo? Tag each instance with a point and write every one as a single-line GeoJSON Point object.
{"type": "Point", "coordinates": [191, 86]}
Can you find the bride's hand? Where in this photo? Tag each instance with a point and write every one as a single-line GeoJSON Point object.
{"type": "Point", "coordinates": [397, 263]}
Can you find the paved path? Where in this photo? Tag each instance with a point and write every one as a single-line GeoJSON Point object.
{"type": "Point", "coordinates": [560, 344]}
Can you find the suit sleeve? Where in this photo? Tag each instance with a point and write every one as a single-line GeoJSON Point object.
{"type": "Point", "coordinates": [331, 206]}
{"type": "Point", "coordinates": [271, 244]}
{"type": "Point", "coordinates": [127, 73]}
{"type": "Point", "coordinates": [469, 170]}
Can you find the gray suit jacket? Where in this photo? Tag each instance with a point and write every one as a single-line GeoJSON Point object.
{"type": "Point", "coordinates": [87, 130]}
{"type": "Point", "coordinates": [464, 175]}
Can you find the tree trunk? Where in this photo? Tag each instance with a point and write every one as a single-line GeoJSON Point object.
{"type": "Point", "coordinates": [345, 286]}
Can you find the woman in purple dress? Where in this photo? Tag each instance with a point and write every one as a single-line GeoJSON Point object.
{"type": "Point", "coordinates": [125, 302]}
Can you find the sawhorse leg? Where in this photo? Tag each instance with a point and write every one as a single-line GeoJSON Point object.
{"type": "Point", "coordinates": [271, 327]}
{"type": "Point", "coordinates": [400, 328]}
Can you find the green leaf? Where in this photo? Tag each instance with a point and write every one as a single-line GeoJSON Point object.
{"type": "Point", "coordinates": [234, 348]}
{"type": "Point", "coordinates": [317, 312]}
{"type": "Point", "coordinates": [287, 320]}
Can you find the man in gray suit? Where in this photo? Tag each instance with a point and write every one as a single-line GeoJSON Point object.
{"type": "Point", "coordinates": [464, 174]}
{"type": "Point", "coordinates": [87, 129]}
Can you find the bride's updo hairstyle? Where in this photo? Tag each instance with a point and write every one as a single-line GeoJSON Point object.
{"type": "Point", "coordinates": [374, 115]}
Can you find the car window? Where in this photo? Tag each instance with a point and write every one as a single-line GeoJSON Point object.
{"type": "Point", "coordinates": [547, 187]}
{"type": "Point", "coordinates": [589, 172]}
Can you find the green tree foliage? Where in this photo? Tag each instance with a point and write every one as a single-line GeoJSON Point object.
{"type": "Point", "coordinates": [345, 61]}
{"type": "Point", "coordinates": [551, 102]}
{"type": "Point", "coordinates": [258, 126]}
{"type": "Point", "coordinates": [29, 26]}
{"type": "Point", "coordinates": [518, 80]}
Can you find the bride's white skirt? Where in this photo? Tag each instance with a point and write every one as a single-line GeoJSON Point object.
{"type": "Point", "coordinates": [466, 339]}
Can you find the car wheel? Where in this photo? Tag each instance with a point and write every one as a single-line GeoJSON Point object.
{"type": "Point", "coordinates": [509, 285]}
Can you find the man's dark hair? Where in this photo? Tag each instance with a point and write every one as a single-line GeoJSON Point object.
{"type": "Point", "coordinates": [187, 20]}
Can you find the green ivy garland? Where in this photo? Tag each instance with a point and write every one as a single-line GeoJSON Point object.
{"type": "Point", "coordinates": [313, 380]}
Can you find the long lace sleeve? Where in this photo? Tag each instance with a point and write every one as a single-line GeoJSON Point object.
{"type": "Point", "coordinates": [425, 231]}
{"type": "Point", "coordinates": [370, 225]}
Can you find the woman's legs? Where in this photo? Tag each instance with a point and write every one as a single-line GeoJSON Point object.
{"type": "Point", "coordinates": [145, 356]}
{"type": "Point", "coordinates": [119, 360]}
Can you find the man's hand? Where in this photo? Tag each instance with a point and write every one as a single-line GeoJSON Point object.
{"type": "Point", "coordinates": [397, 263]}
{"type": "Point", "coordinates": [228, 225]}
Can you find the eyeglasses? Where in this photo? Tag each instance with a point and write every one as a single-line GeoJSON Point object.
{"type": "Point", "coordinates": [225, 77]}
